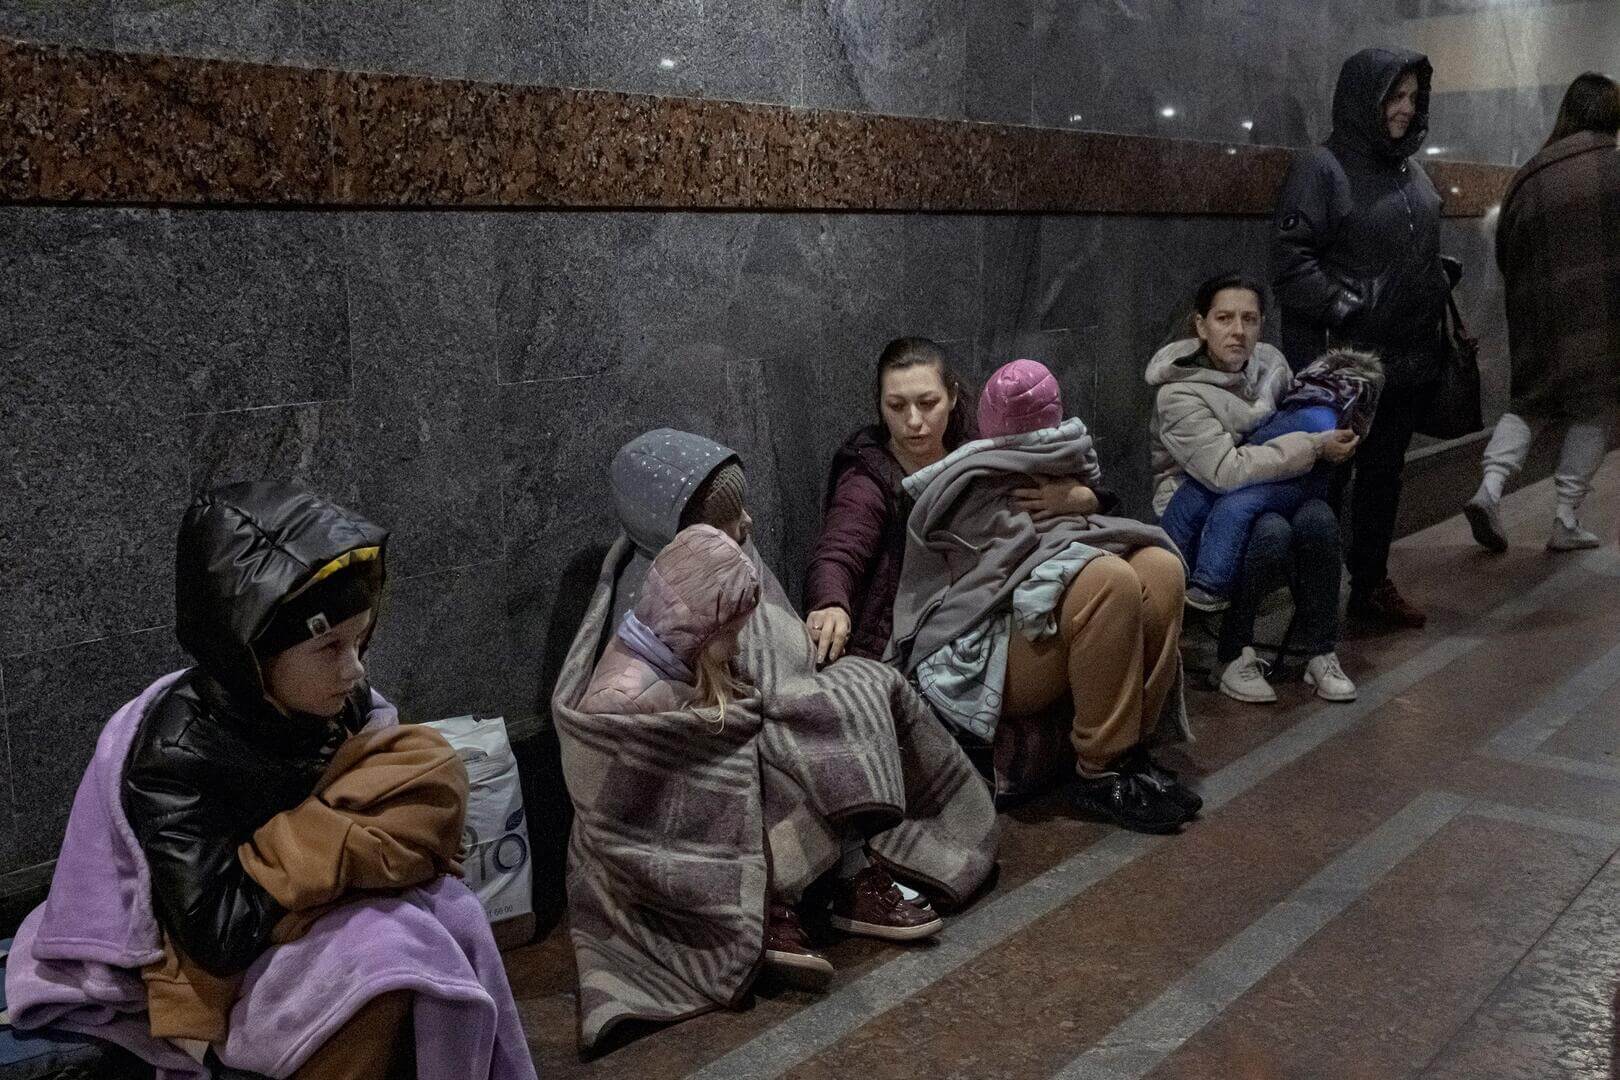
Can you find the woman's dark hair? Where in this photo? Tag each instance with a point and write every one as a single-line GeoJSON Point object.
{"type": "Point", "coordinates": [1592, 103]}
{"type": "Point", "coordinates": [905, 352]}
{"type": "Point", "coordinates": [1204, 298]}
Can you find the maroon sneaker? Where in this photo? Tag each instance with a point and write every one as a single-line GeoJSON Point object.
{"type": "Point", "coordinates": [1385, 605]}
{"type": "Point", "coordinates": [786, 947]}
{"type": "Point", "coordinates": [870, 904]}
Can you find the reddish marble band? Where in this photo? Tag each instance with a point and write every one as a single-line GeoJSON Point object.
{"type": "Point", "coordinates": [84, 126]}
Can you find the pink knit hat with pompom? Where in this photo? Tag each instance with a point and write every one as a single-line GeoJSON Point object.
{"type": "Point", "coordinates": [1020, 397]}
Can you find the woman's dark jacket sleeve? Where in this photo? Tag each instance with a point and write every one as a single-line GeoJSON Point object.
{"type": "Point", "coordinates": [1302, 230]}
{"type": "Point", "coordinates": [851, 537]}
{"type": "Point", "coordinates": [217, 914]}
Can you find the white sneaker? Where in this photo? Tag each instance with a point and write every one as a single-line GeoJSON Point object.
{"type": "Point", "coordinates": [1332, 684]}
{"type": "Point", "coordinates": [1571, 537]}
{"type": "Point", "coordinates": [1245, 680]}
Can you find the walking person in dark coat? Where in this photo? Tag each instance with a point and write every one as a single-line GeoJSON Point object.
{"type": "Point", "coordinates": [1558, 245]}
{"type": "Point", "coordinates": [1356, 262]}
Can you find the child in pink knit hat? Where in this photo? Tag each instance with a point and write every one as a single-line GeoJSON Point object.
{"type": "Point", "coordinates": [1019, 398]}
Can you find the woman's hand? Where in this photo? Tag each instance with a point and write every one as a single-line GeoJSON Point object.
{"type": "Point", "coordinates": [1055, 496]}
{"type": "Point", "coordinates": [829, 629]}
{"type": "Point", "coordinates": [1337, 446]}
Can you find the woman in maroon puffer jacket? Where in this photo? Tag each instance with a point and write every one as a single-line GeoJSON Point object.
{"type": "Point", "coordinates": [855, 565]}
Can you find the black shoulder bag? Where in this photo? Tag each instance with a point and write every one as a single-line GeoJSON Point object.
{"type": "Point", "coordinates": [1454, 408]}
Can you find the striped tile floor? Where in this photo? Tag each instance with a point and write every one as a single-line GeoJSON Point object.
{"type": "Point", "coordinates": [1422, 883]}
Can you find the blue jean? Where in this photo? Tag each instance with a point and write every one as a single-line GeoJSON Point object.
{"type": "Point", "coordinates": [1212, 529]}
{"type": "Point", "coordinates": [1302, 552]}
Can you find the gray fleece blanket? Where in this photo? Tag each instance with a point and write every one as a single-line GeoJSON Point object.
{"type": "Point", "coordinates": [682, 831]}
{"type": "Point", "coordinates": [969, 546]}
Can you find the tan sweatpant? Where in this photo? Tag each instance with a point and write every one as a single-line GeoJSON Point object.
{"type": "Point", "coordinates": [1116, 646]}
{"type": "Point", "coordinates": [365, 1048]}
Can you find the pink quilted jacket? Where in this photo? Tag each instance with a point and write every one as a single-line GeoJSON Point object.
{"type": "Point", "coordinates": [698, 585]}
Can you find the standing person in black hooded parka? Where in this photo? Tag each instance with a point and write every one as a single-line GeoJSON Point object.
{"type": "Point", "coordinates": [1356, 262]}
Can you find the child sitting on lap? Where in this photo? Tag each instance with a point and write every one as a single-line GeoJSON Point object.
{"type": "Point", "coordinates": [1338, 390]}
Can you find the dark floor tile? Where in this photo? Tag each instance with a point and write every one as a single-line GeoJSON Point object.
{"type": "Point", "coordinates": [1393, 977]}
{"type": "Point", "coordinates": [1554, 1015]}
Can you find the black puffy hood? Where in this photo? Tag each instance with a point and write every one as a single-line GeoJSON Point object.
{"type": "Point", "coordinates": [242, 549]}
{"type": "Point", "coordinates": [1365, 81]}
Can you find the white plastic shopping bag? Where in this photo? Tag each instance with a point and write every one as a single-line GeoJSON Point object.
{"type": "Point", "coordinates": [495, 841]}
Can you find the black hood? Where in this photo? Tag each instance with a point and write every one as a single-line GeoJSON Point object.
{"type": "Point", "coordinates": [242, 549]}
{"type": "Point", "coordinates": [1365, 81]}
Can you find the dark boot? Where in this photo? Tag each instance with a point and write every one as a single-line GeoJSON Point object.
{"type": "Point", "coordinates": [1385, 606]}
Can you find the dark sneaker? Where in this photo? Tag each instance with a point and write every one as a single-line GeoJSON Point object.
{"type": "Point", "coordinates": [870, 904]}
{"type": "Point", "coordinates": [1485, 521]}
{"type": "Point", "coordinates": [788, 949]}
{"type": "Point", "coordinates": [1137, 760]}
{"type": "Point", "coordinates": [1126, 800]}
{"type": "Point", "coordinates": [1387, 607]}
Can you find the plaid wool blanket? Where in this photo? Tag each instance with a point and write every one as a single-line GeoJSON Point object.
{"type": "Point", "coordinates": [683, 828]}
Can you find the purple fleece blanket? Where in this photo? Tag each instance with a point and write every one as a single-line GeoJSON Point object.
{"type": "Point", "coordinates": [76, 961]}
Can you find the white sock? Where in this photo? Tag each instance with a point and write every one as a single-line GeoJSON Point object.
{"type": "Point", "coordinates": [1569, 514]}
{"type": "Point", "coordinates": [1492, 486]}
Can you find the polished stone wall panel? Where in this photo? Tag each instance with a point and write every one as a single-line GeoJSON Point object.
{"type": "Point", "coordinates": [466, 375]}
{"type": "Point", "coordinates": [57, 702]}
{"type": "Point", "coordinates": [752, 50]}
{"type": "Point", "coordinates": [999, 36]}
{"type": "Point", "coordinates": [1116, 64]}
{"type": "Point", "coordinates": [355, 139]}
{"type": "Point", "coordinates": [494, 364]}
{"type": "Point", "coordinates": [310, 445]}
{"type": "Point", "coordinates": [9, 856]}
{"type": "Point", "coordinates": [426, 339]}
{"type": "Point", "coordinates": [89, 500]}
{"type": "Point", "coordinates": [260, 313]}
{"type": "Point", "coordinates": [86, 302]}
{"type": "Point", "coordinates": [440, 648]}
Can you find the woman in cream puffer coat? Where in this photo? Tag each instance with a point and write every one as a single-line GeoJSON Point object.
{"type": "Point", "coordinates": [1212, 390]}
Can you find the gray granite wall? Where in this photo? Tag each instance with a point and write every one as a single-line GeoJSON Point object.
{"type": "Point", "coordinates": [465, 377]}
{"type": "Point", "coordinates": [1228, 70]}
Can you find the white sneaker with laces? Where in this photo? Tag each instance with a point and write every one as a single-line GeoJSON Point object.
{"type": "Point", "coordinates": [1245, 680]}
{"type": "Point", "coordinates": [1332, 684]}
{"type": "Point", "coordinates": [1567, 537]}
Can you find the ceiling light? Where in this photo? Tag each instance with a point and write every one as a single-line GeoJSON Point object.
{"type": "Point", "coordinates": [1168, 112]}
{"type": "Point", "coordinates": [1247, 125]}
{"type": "Point", "coordinates": [1433, 150]}
{"type": "Point", "coordinates": [667, 64]}
{"type": "Point", "coordinates": [1076, 118]}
